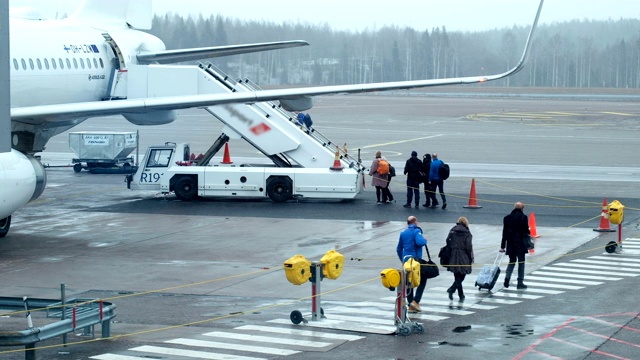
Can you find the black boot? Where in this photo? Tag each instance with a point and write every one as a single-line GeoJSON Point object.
{"type": "Point", "coordinates": [506, 282]}
{"type": "Point", "coordinates": [461, 293]}
{"type": "Point", "coordinates": [521, 285]}
{"type": "Point", "coordinates": [451, 290]}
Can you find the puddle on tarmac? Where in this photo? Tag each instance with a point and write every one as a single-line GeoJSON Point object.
{"type": "Point", "coordinates": [515, 331]}
{"type": "Point", "coordinates": [461, 329]}
{"type": "Point", "coordinates": [453, 344]}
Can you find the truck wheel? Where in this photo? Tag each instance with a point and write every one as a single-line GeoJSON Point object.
{"type": "Point", "coordinates": [77, 167]}
{"type": "Point", "coordinates": [279, 190]}
{"type": "Point", "coordinates": [186, 188]}
{"type": "Point", "coordinates": [5, 224]}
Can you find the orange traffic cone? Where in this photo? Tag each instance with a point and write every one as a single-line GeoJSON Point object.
{"type": "Point", "coordinates": [337, 165]}
{"type": "Point", "coordinates": [226, 159]}
{"type": "Point", "coordinates": [533, 231]}
{"type": "Point", "coordinates": [473, 201]}
{"type": "Point", "coordinates": [604, 218]}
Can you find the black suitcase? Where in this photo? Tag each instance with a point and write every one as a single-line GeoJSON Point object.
{"type": "Point", "coordinates": [489, 274]}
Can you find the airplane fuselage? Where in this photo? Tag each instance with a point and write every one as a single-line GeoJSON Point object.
{"type": "Point", "coordinates": [55, 63]}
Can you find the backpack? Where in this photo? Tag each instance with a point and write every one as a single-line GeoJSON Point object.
{"type": "Point", "coordinates": [392, 171]}
{"type": "Point", "coordinates": [383, 167]}
{"type": "Point", "coordinates": [443, 171]}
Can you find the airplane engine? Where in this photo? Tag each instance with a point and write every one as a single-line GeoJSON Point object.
{"type": "Point", "coordinates": [158, 117]}
{"type": "Point", "coordinates": [22, 179]}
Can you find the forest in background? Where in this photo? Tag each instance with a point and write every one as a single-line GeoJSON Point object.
{"type": "Point", "coordinates": [576, 54]}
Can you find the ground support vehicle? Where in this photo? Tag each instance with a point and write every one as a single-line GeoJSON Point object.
{"type": "Point", "coordinates": [301, 161]}
{"type": "Point", "coordinates": [102, 150]}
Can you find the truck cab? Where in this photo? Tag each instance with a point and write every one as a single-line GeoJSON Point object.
{"type": "Point", "coordinates": [156, 161]}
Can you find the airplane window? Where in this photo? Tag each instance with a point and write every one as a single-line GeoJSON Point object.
{"type": "Point", "coordinates": [15, 64]}
{"type": "Point", "coordinates": [101, 64]}
{"type": "Point", "coordinates": [61, 63]}
{"type": "Point", "coordinates": [89, 63]}
{"type": "Point", "coordinates": [75, 63]}
{"type": "Point", "coordinates": [39, 64]}
{"type": "Point", "coordinates": [95, 63]}
{"type": "Point", "coordinates": [68, 64]}
{"type": "Point", "coordinates": [24, 64]}
{"type": "Point", "coordinates": [81, 63]}
{"type": "Point", "coordinates": [53, 63]}
{"type": "Point", "coordinates": [31, 64]}
{"type": "Point", "coordinates": [46, 64]}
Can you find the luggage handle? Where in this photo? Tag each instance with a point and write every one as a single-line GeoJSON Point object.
{"type": "Point", "coordinates": [498, 259]}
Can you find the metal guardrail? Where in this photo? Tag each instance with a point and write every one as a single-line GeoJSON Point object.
{"type": "Point", "coordinates": [74, 314]}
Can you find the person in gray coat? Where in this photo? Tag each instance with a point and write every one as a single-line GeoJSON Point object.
{"type": "Point", "coordinates": [380, 181]}
{"type": "Point", "coordinates": [459, 240]}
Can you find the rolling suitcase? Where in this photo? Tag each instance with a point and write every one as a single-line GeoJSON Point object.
{"type": "Point", "coordinates": [489, 274]}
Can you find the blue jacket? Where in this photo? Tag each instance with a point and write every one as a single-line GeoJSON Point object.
{"type": "Point", "coordinates": [434, 172]}
{"type": "Point", "coordinates": [410, 243]}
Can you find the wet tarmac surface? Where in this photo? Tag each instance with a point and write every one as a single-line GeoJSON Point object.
{"type": "Point", "coordinates": [177, 269]}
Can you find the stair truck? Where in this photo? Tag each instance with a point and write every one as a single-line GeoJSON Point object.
{"type": "Point", "coordinates": [303, 163]}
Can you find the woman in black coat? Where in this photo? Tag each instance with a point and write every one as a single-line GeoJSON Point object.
{"type": "Point", "coordinates": [459, 240]}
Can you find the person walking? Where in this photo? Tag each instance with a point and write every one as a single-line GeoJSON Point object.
{"type": "Point", "coordinates": [413, 168]}
{"type": "Point", "coordinates": [410, 245]}
{"type": "Point", "coordinates": [515, 228]}
{"type": "Point", "coordinates": [436, 181]}
{"type": "Point", "coordinates": [387, 189]}
{"type": "Point", "coordinates": [429, 193]}
{"type": "Point", "coordinates": [459, 240]}
{"type": "Point", "coordinates": [380, 172]}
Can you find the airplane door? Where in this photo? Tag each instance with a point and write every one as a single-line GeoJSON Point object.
{"type": "Point", "coordinates": [117, 88]}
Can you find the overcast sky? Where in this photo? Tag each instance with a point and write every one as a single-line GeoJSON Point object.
{"type": "Point", "coordinates": [358, 15]}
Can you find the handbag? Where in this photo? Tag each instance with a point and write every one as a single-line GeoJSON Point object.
{"type": "Point", "coordinates": [528, 242]}
{"type": "Point", "coordinates": [429, 269]}
{"type": "Point", "coordinates": [444, 255]}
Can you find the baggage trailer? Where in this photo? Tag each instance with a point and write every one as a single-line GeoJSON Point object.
{"type": "Point", "coordinates": [102, 150]}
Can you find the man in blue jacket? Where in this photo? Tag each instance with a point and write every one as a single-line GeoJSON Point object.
{"type": "Point", "coordinates": [436, 181]}
{"type": "Point", "coordinates": [410, 246]}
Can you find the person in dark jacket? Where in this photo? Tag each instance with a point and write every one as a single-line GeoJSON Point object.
{"type": "Point", "coordinates": [436, 181]}
{"type": "Point", "coordinates": [429, 192]}
{"type": "Point", "coordinates": [413, 168]}
{"type": "Point", "coordinates": [515, 228]}
{"type": "Point", "coordinates": [410, 245]}
{"type": "Point", "coordinates": [459, 240]}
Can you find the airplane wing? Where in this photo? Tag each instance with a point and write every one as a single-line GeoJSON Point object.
{"type": "Point", "coordinates": [174, 56]}
{"type": "Point", "coordinates": [53, 113]}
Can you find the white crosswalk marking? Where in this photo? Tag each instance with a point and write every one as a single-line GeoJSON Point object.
{"type": "Point", "coordinates": [533, 290]}
{"type": "Point", "coordinates": [297, 332]}
{"type": "Point", "coordinates": [267, 339]}
{"type": "Point", "coordinates": [570, 281]}
{"type": "Point", "coordinates": [385, 328]}
{"type": "Point", "coordinates": [555, 286]}
{"type": "Point", "coordinates": [191, 353]}
{"type": "Point", "coordinates": [607, 262]}
{"type": "Point", "coordinates": [517, 295]}
{"type": "Point", "coordinates": [228, 346]}
{"type": "Point", "coordinates": [575, 276]}
{"type": "Point", "coordinates": [602, 267]}
{"type": "Point", "coordinates": [501, 301]}
{"type": "Point", "coordinates": [583, 271]}
{"type": "Point", "coordinates": [117, 357]}
{"type": "Point", "coordinates": [616, 259]}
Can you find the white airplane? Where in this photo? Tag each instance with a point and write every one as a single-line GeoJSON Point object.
{"type": "Point", "coordinates": [66, 71]}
